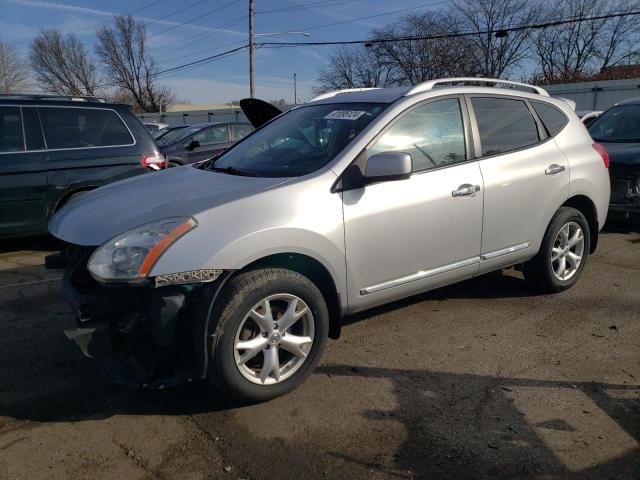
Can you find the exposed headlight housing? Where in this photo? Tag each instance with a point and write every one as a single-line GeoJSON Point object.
{"type": "Point", "coordinates": [129, 257]}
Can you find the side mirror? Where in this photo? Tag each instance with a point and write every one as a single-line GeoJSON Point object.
{"type": "Point", "coordinates": [193, 144]}
{"type": "Point", "coordinates": [387, 166]}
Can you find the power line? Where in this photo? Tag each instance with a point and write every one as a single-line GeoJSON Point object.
{"type": "Point", "coordinates": [191, 5]}
{"type": "Point", "coordinates": [326, 3]}
{"type": "Point", "coordinates": [202, 15]}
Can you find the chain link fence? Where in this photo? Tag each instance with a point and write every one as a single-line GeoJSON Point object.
{"type": "Point", "coordinates": [194, 116]}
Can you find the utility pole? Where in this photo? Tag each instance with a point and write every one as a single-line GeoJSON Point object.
{"type": "Point", "coordinates": [295, 90]}
{"type": "Point", "coordinates": [251, 81]}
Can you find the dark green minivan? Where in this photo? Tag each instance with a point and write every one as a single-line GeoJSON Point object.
{"type": "Point", "coordinates": [52, 148]}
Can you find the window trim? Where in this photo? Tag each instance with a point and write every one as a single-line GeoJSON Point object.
{"type": "Point", "coordinates": [46, 149]}
{"type": "Point", "coordinates": [466, 125]}
{"type": "Point", "coordinates": [543, 136]}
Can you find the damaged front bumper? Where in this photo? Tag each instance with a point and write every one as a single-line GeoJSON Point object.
{"type": "Point", "coordinates": [625, 190]}
{"type": "Point", "coordinates": [144, 335]}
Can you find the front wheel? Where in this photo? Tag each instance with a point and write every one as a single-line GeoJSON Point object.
{"type": "Point", "coordinates": [563, 253]}
{"type": "Point", "coordinates": [270, 333]}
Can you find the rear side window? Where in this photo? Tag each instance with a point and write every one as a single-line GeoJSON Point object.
{"type": "Point", "coordinates": [241, 131]}
{"type": "Point", "coordinates": [213, 135]}
{"type": "Point", "coordinates": [554, 120]}
{"type": "Point", "coordinates": [83, 127]}
{"type": "Point", "coordinates": [504, 124]}
{"type": "Point", "coordinates": [11, 135]}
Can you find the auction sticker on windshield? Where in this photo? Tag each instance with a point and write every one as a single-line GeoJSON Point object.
{"type": "Point", "coordinates": [345, 115]}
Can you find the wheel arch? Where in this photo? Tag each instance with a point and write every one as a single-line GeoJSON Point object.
{"type": "Point", "coordinates": [315, 271]}
{"type": "Point", "coordinates": [585, 205]}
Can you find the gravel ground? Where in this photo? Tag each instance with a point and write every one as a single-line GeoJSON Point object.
{"type": "Point", "coordinates": [481, 379]}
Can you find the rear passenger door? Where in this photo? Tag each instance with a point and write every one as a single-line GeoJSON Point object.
{"type": "Point", "coordinates": [23, 177]}
{"type": "Point", "coordinates": [212, 141]}
{"type": "Point", "coordinates": [526, 178]}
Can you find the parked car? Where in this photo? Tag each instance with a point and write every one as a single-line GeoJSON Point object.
{"type": "Point", "coordinates": [587, 117]}
{"type": "Point", "coordinates": [153, 127]}
{"type": "Point", "coordinates": [202, 141]}
{"type": "Point", "coordinates": [618, 131]}
{"type": "Point", "coordinates": [350, 201]}
{"type": "Point", "coordinates": [55, 148]}
{"type": "Point", "coordinates": [164, 131]}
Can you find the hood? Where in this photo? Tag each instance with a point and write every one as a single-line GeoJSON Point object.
{"type": "Point", "coordinates": [258, 112]}
{"type": "Point", "coordinates": [99, 215]}
{"type": "Point", "coordinates": [623, 153]}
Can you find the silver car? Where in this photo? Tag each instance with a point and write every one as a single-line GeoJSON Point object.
{"type": "Point", "coordinates": [236, 270]}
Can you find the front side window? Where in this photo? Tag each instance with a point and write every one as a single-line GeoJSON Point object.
{"type": "Point", "coordinates": [433, 134]}
{"type": "Point", "coordinates": [300, 141]}
{"type": "Point", "coordinates": [213, 135]}
{"type": "Point", "coordinates": [83, 127]}
{"type": "Point", "coordinates": [618, 124]}
{"type": "Point", "coordinates": [505, 124]}
{"type": "Point", "coordinates": [11, 135]}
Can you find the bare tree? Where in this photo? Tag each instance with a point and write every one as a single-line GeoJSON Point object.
{"type": "Point", "coordinates": [129, 66]}
{"type": "Point", "coordinates": [495, 55]}
{"type": "Point", "coordinates": [14, 73]}
{"type": "Point", "coordinates": [415, 61]}
{"type": "Point", "coordinates": [61, 64]}
{"type": "Point", "coordinates": [580, 50]}
{"type": "Point", "coordinates": [354, 67]}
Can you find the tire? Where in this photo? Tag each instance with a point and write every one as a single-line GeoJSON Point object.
{"type": "Point", "coordinates": [544, 271]}
{"type": "Point", "coordinates": [240, 312]}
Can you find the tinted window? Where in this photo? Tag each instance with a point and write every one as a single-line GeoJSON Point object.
{"type": "Point", "coordinates": [300, 141]}
{"type": "Point", "coordinates": [241, 131]}
{"type": "Point", "coordinates": [83, 127]}
{"type": "Point", "coordinates": [554, 120]}
{"type": "Point", "coordinates": [504, 124]}
{"type": "Point", "coordinates": [11, 138]}
{"type": "Point", "coordinates": [211, 136]}
{"type": "Point", "coordinates": [32, 130]}
{"type": "Point", "coordinates": [433, 134]}
{"type": "Point", "coordinates": [618, 124]}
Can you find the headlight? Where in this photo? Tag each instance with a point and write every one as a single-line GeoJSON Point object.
{"type": "Point", "coordinates": [131, 255]}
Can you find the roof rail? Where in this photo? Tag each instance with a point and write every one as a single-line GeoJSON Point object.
{"type": "Point", "coordinates": [333, 93]}
{"type": "Point", "coordinates": [431, 84]}
{"type": "Point", "coordinates": [73, 98]}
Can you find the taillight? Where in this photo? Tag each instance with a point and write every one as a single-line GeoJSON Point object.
{"type": "Point", "coordinates": [157, 161]}
{"type": "Point", "coordinates": [603, 153]}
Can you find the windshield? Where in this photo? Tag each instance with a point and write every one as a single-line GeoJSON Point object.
{"type": "Point", "coordinates": [298, 142]}
{"type": "Point", "coordinates": [618, 124]}
{"type": "Point", "coordinates": [175, 135]}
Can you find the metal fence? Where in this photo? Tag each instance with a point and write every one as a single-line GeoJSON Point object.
{"type": "Point", "coordinates": [597, 95]}
{"type": "Point", "coordinates": [194, 116]}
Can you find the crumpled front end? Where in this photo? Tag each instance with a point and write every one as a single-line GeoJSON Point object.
{"type": "Point", "coordinates": [141, 335]}
{"type": "Point", "coordinates": [625, 189]}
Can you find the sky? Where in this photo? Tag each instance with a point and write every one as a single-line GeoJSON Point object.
{"type": "Point", "coordinates": [189, 30]}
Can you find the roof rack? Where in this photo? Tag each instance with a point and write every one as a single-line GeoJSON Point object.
{"type": "Point", "coordinates": [333, 93]}
{"type": "Point", "coordinates": [431, 84]}
{"type": "Point", "coordinates": [73, 98]}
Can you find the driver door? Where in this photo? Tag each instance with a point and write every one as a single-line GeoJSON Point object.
{"type": "Point", "coordinates": [404, 237]}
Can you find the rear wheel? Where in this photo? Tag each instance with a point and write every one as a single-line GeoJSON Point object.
{"type": "Point", "coordinates": [271, 329]}
{"type": "Point", "coordinates": [563, 253]}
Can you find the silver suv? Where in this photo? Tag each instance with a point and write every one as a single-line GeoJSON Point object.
{"type": "Point", "coordinates": [236, 270]}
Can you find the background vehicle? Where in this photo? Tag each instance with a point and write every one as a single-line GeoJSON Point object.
{"type": "Point", "coordinates": [587, 117]}
{"type": "Point", "coordinates": [54, 148]}
{"type": "Point", "coordinates": [342, 204]}
{"type": "Point", "coordinates": [153, 127]}
{"type": "Point", "coordinates": [164, 131]}
{"type": "Point", "coordinates": [202, 141]}
{"type": "Point", "coordinates": [618, 131]}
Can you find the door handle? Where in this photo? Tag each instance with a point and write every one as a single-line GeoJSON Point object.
{"type": "Point", "coordinates": [553, 169]}
{"type": "Point", "coordinates": [466, 190]}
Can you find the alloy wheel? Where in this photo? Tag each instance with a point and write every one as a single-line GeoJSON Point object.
{"type": "Point", "coordinates": [567, 251]}
{"type": "Point", "coordinates": [274, 339]}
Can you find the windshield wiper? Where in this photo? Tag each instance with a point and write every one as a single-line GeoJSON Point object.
{"type": "Point", "coordinates": [233, 171]}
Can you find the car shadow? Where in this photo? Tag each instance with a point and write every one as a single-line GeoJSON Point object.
{"type": "Point", "coordinates": [39, 243]}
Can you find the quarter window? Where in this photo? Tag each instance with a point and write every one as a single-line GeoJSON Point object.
{"type": "Point", "coordinates": [83, 127]}
{"type": "Point", "coordinates": [212, 135]}
{"type": "Point", "coordinates": [433, 134]}
{"type": "Point", "coordinates": [554, 120]}
{"type": "Point", "coordinates": [504, 124]}
{"type": "Point", "coordinates": [11, 135]}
